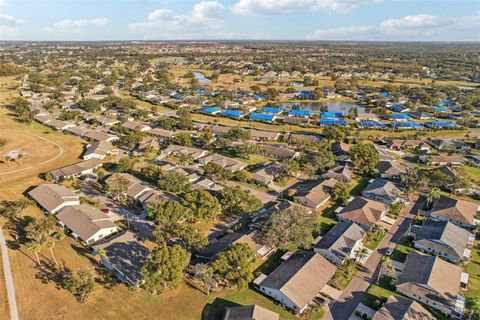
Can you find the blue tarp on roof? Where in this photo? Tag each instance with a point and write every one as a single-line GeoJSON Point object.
{"type": "Point", "coordinates": [397, 108]}
{"type": "Point", "coordinates": [262, 116]}
{"type": "Point", "coordinates": [331, 122]}
{"type": "Point", "coordinates": [306, 94]}
{"type": "Point", "coordinates": [385, 94]}
{"type": "Point", "coordinates": [400, 116]}
{"type": "Point", "coordinates": [259, 96]}
{"type": "Point", "coordinates": [210, 110]}
{"type": "Point", "coordinates": [440, 124]}
{"type": "Point", "coordinates": [331, 115]}
{"type": "Point", "coordinates": [232, 113]}
{"type": "Point", "coordinates": [272, 110]}
{"type": "Point", "coordinates": [440, 109]}
{"type": "Point", "coordinates": [300, 113]}
{"type": "Point", "coordinates": [370, 124]}
{"type": "Point", "coordinates": [201, 91]}
{"type": "Point", "coordinates": [406, 125]}
{"type": "Point", "coordinates": [447, 102]}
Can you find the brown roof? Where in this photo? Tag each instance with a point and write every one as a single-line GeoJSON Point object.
{"type": "Point", "coordinates": [277, 151]}
{"type": "Point", "coordinates": [252, 312]}
{"type": "Point", "coordinates": [226, 162]}
{"type": "Point", "coordinates": [363, 211]}
{"type": "Point", "coordinates": [267, 135]}
{"type": "Point", "coordinates": [455, 209]}
{"type": "Point", "coordinates": [425, 276]}
{"type": "Point", "coordinates": [399, 308]}
{"type": "Point", "coordinates": [100, 147]}
{"type": "Point", "coordinates": [301, 277]}
{"type": "Point", "coordinates": [85, 221]}
{"type": "Point", "coordinates": [50, 196]}
{"type": "Point", "coordinates": [317, 191]}
{"type": "Point", "coordinates": [161, 133]}
{"type": "Point", "coordinates": [135, 187]}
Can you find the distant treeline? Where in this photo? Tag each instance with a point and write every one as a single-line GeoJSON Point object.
{"type": "Point", "coordinates": [9, 69]}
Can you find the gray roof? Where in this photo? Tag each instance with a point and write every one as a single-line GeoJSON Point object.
{"type": "Point", "coordinates": [443, 236]}
{"type": "Point", "coordinates": [50, 196]}
{"type": "Point", "coordinates": [382, 188]}
{"type": "Point", "coordinates": [399, 308]}
{"type": "Point", "coordinates": [301, 277]}
{"type": "Point", "coordinates": [455, 209]}
{"type": "Point", "coordinates": [126, 254]}
{"type": "Point", "coordinates": [252, 312]}
{"type": "Point", "coordinates": [341, 238]}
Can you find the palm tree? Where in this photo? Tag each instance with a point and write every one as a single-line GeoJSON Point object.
{"type": "Point", "coordinates": [7, 160]}
{"type": "Point", "coordinates": [361, 254]}
{"type": "Point", "coordinates": [19, 159]}
{"type": "Point", "coordinates": [101, 255]}
{"type": "Point", "coordinates": [434, 194]}
{"type": "Point", "coordinates": [385, 263]}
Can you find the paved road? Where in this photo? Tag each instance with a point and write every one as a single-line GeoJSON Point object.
{"type": "Point", "coordinates": [8, 278]}
{"type": "Point", "coordinates": [344, 306]}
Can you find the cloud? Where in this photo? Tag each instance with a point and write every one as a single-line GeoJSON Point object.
{"type": "Point", "coordinates": [421, 27]}
{"type": "Point", "coordinates": [276, 7]}
{"type": "Point", "coordinates": [75, 24]}
{"type": "Point", "coordinates": [202, 21]}
{"type": "Point", "coordinates": [6, 20]}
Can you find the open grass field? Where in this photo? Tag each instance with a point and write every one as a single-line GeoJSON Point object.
{"type": "Point", "coordinates": [473, 269]}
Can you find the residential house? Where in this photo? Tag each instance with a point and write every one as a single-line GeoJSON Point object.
{"type": "Point", "coordinates": [60, 125]}
{"type": "Point", "coordinates": [267, 173]}
{"type": "Point", "coordinates": [342, 171]}
{"type": "Point", "coordinates": [258, 135]}
{"type": "Point", "coordinates": [298, 280]}
{"type": "Point", "coordinates": [444, 239]}
{"type": "Point", "coordinates": [400, 308]}
{"type": "Point", "coordinates": [277, 152]}
{"type": "Point", "coordinates": [299, 121]}
{"type": "Point", "coordinates": [136, 126]}
{"type": "Point", "coordinates": [148, 145]}
{"type": "Point", "coordinates": [399, 144]}
{"type": "Point", "coordinates": [124, 257]}
{"type": "Point", "coordinates": [86, 223]}
{"type": "Point", "coordinates": [314, 194]}
{"type": "Point", "coordinates": [441, 160]}
{"type": "Point", "coordinates": [341, 242]}
{"type": "Point", "coordinates": [225, 162]}
{"type": "Point", "coordinates": [383, 191]}
{"type": "Point", "coordinates": [98, 150]}
{"type": "Point", "coordinates": [459, 212]}
{"type": "Point", "coordinates": [251, 312]}
{"type": "Point", "coordinates": [434, 282]}
{"type": "Point", "coordinates": [134, 189]}
{"type": "Point", "coordinates": [366, 213]}
{"type": "Point", "coordinates": [448, 144]}
{"type": "Point", "coordinates": [53, 197]}
{"type": "Point", "coordinates": [100, 136]}
{"type": "Point", "coordinates": [341, 150]}
{"type": "Point", "coordinates": [162, 134]}
{"type": "Point", "coordinates": [174, 149]}
{"type": "Point", "coordinates": [391, 169]}
{"type": "Point", "coordinates": [76, 170]}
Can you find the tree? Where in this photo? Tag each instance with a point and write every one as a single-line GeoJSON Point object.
{"type": "Point", "coordinates": [341, 192]}
{"type": "Point", "coordinates": [237, 134]}
{"type": "Point", "coordinates": [233, 266]}
{"type": "Point", "coordinates": [101, 254]}
{"type": "Point", "coordinates": [334, 133]}
{"type": "Point", "coordinates": [386, 265]}
{"type": "Point", "coordinates": [320, 161]}
{"type": "Point", "coordinates": [164, 268]}
{"type": "Point", "coordinates": [361, 254]}
{"type": "Point", "coordinates": [11, 209]}
{"type": "Point", "coordinates": [217, 171]}
{"type": "Point", "coordinates": [433, 195]}
{"type": "Point", "coordinates": [365, 158]}
{"type": "Point", "coordinates": [168, 212]}
{"type": "Point", "coordinates": [244, 150]}
{"type": "Point", "coordinates": [89, 105]}
{"type": "Point", "coordinates": [206, 137]}
{"type": "Point", "coordinates": [202, 204]}
{"type": "Point", "coordinates": [190, 238]}
{"type": "Point", "coordinates": [125, 164]}
{"type": "Point", "coordinates": [43, 233]}
{"type": "Point", "coordinates": [174, 181]}
{"type": "Point", "coordinates": [118, 185]}
{"type": "Point", "coordinates": [203, 274]}
{"type": "Point", "coordinates": [291, 225]}
{"type": "Point", "coordinates": [183, 139]}
{"type": "Point", "coordinates": [81, 285]}
{"type": "Point", "coordinates": [242, 175]}
{"type": "Point", "coordinates": [396, 208]}
{"type": "Point", "coordinates": [235, 200]}
{"type": "Point", "coordinates": [19, 159]}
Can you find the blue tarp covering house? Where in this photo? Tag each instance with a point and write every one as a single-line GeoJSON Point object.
{"type": "Point", "coordinates": [385, 94]}
{"type": "Point", "coordinates": [210, 110]}
{"type": "Point", "coordinates": [331, 115]}
{"type": "Point", "coordinates": [370, 124]}
{"type": "Point", "coordinates": [259, 96]}
{"type": "Point", "coordinates": [440, 109]}
{"type": "Point", "coordinates": [233, 113]}
{"type": "Point", "coordinates": [306, 94]}
{"type": "Point", "coordinates": [201, 91]}
{"type": "Point", "coordinates": [406, 125]}
{"type": "Point", "coordinates": [440, 124]}
{"type": "Point", "coordinates": [400, 116]}
{"type": "Point", "coordinates": [300, 113]}
{"type": "Point", "coordinates": [447, 102]}
{"type": "Point", "coordinates": [272, 110]}
{"type": "Point", "coordinates": [397, 108]}
{"type": "Point", "coordinates": [262, 116]}
{"type": "Point", "coordinates": [177, 96]}
{"type": "Point", "coordinates": [332, 122]}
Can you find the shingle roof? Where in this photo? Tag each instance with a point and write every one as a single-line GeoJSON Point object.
{"type": "Point", "coordinates": [455, 209]}
{"type": "Point", "coordinates": [301, 277]}
{"type": "Point", "coordinates": [399, 308]}
{"type": "Point", "coordinates": [252, 312]}
{"type": "Point", "coordinates": [382, 188]}
{"type": "Point", "coordinates": [76, 168]}
{"type": "Point", "coordinates": [363, 211]}
{"type": "Point", "coordinates": [341, 238]}
{"type": "Point", "coordinates": [50, 196]}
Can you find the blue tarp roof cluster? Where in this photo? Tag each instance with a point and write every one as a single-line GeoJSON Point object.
{"type": "Point", "coordinates": [406, 124]}
{"type": "Point", "coordinates": [331, 115]}
{"type": "Point", "coordinates": [300, 113]}
{"type": "Point", "coordinates": [400, 116]}
{"type": "Point", "coordinates": [232, 113]}
{"type": "Point", "coordinates": [331, 122]}
{"type": "Point", "coordinates": [370, 124]}
{"type": "Point", "coordinates": [262, 116]}
{"type": "Point", "coordinates": [440, 124]}
{"type": "Point", "coordinates": [209, 109]}
{"type": "Point", "coordinates": [447, 102]}
{"type": "Point", "coordinates": [259, 96]}
{"type": "Point", "coordinates": [385, 94]}
{"type": "Point", "coordinates": [272, 110]}
{"type": "Point", "coordinates": [397, 108]}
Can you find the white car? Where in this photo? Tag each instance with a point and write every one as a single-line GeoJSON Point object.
{"type": "Point", "coordinates": [389, 252]}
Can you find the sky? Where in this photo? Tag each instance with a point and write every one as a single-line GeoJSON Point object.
{"type": "Point", "coordinates": [372, 20]}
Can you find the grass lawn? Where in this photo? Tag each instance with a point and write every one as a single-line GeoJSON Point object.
{"type": "Point", "coordinates": [272, 262]}
{"type": "Point", "coordinates": [402, 250]}
{"type": "Point", "coordinates": [341, 279]}
{"type": "Point", "coordinates": [473, 173]}
{"type": "Point", "coordinates": [473, 269]}
{"type": "Point", "coordinates": [326, 217]}
{"type": "Point", "coordinates": [377, 294]}
{"type": "Point", "coordinates": [375, 238]}
{"type": "Point", "coordinates": [357, 185]}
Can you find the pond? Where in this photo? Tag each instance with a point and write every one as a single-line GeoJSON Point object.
{"type": "Point", "coordinates": [342, 107]}
{"type": "Point", "coordinates": [201, 77]}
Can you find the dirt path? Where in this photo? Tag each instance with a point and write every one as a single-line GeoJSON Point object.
{"type": "Point", "coordinates": [12, 302]}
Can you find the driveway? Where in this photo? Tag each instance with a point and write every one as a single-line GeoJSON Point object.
{"type": "Point", "coordinates": [342, 308]}
{"type": "Point", "coordinates": [265, 197]}
{"type": "Point", "coordinates": [8, 278]}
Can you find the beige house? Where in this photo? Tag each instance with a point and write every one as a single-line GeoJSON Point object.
{"type": "Point", "coordinates": [364, 212]}
{"type": "Point", "coordinates": [53, 197]}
